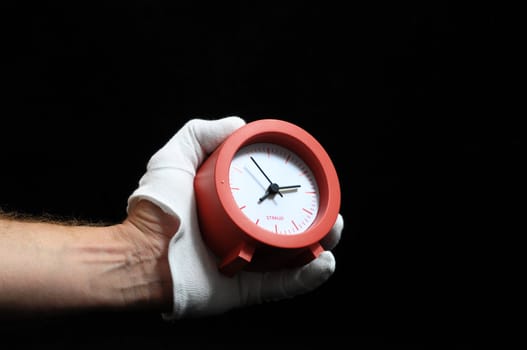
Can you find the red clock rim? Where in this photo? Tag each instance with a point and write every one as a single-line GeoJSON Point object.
{"type": "Point", "coordinates": [314, 155]}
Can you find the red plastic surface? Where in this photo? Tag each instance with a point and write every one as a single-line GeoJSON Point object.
{"type": "Point", "coordinates": [229, 233]}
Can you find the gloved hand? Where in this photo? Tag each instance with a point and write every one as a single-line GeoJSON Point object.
{"type": "Point", "coordinates": [199, 288]}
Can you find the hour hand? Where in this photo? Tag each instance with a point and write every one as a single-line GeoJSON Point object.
{"type": "Point", "coordinates": [288, 187]}
{"type": "Point", "coordinates": [274, 189]}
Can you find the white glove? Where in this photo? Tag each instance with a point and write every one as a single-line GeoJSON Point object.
{"type": "Point", "coordinates": [199, 288]}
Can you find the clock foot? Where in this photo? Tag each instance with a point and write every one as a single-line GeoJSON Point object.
{"type": "Point", "coordinates": [237, 259]}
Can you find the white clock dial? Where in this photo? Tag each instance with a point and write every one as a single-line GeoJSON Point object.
{"type": "Point", "coordinates": [274, 188]}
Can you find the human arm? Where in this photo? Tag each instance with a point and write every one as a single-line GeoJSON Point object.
{"type": "Point", "coordinates": [53, 267]}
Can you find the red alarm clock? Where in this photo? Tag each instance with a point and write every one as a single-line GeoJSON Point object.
{"type": "Point", "coordinates": [266, 197]}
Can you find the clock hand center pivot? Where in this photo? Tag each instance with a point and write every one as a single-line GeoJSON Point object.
{"type": "Point", "coordinates": [271, 190]}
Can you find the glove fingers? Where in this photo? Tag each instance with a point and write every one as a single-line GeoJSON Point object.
{"type": "Point", "coordinates": [331, 240]}
{"type": "Point", "coordinates": [189, 147]}
{"type": "Point", "coordinates": [289, 283]}
{"type": "Point", "coordinates": [209, 134]}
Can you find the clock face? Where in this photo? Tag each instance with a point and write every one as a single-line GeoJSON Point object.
{"type": "Point", "coordinates": [274, 188]}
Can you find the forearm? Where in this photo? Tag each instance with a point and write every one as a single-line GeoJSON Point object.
{"type": "Point", "coordinates": [52, 267]}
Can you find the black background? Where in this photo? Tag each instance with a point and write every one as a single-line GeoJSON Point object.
{"type": "Point", "coordinates": [397, 93]}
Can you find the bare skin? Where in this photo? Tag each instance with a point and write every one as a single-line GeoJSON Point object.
{"type": "Point", "coordinates": [54, 268]}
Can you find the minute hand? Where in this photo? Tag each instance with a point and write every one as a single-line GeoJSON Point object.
{"type": "Point", "coordinates": [268, 179]}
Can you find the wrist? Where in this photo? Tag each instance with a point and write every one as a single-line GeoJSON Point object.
{"type": "Point", "coordinates": [141, 278]}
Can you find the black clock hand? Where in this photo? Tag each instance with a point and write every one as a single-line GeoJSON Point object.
{"type": "Point", "coordinates": [274, 189]}
{"type": "Point", "coordinates": [273, 185]}
{"type": "Point", "coordinates": [288, 187]}
{"type": "Point", "coordinates": [268, 179]}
